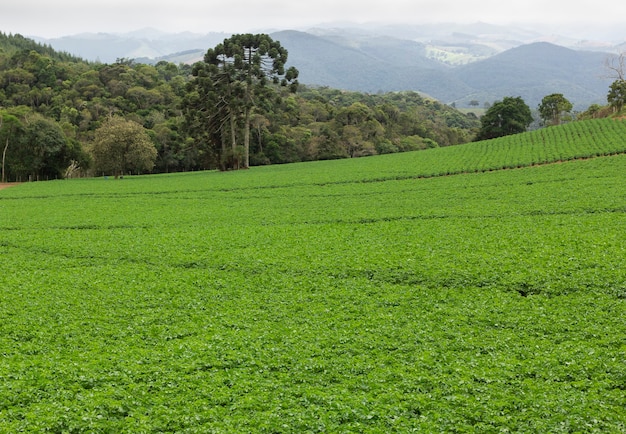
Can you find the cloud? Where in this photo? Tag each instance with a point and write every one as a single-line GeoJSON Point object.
{"type": "Point", "coordinates": [62, 17]}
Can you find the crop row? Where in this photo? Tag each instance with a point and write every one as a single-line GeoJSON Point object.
{"type": "Point", "coordinates": [576, 140]}
{"type": "Point", "coordinates": [298, 299]}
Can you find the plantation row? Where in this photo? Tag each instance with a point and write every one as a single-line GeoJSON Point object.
{"type": "Point", "coordinates": [234, 215]}
{"type": "Point", "coordinates": [310, 298]}
{"type": "Point", "coordinates": [577, 140]}
{"type": "Point", "coordinates": [570, 141]}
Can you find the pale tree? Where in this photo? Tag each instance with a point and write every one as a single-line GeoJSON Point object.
{"type": "Point", "coordinates": [122, 146]}
{"type": "Point", "coordinates": [355, 143]}
{"type": "Point", "coordinates": [10, 126]}
{"type": "Point", "coordinates": [260, 122]}
{"type": "Point", "coordinates": [616, 66]}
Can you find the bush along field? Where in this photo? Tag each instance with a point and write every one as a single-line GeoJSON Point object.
{"type": "Point", "coordinates": [431, 291]}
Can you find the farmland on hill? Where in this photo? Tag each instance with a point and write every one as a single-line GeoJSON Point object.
{"type": "Point", "coordinates": [428, 291]}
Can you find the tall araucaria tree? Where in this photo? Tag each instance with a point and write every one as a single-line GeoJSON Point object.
{"type": "Point", "coordinates": [229, 85]}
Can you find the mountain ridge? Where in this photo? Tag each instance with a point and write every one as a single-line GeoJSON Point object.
{"type": "Point", "coordinates": [457, 64]}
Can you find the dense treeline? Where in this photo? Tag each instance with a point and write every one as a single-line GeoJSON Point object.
{"type": "Point", "coordinates": [51, 105]}
{"type": "Point", "coordinates": [12, 43]}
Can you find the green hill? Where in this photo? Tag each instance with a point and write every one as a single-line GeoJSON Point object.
{"type": "Point", "coordinates": [10, 44]}
{"type": "Point", "coordinates": [370, 64]}
{"type": "Point", "coordinates": [534, 71]}
{"type": "Point", "coordinates": [431, 291]}
{"type": "Point", "coordinates": [503, 60]}
{"type": "Point", "coordinates": [74, 98]}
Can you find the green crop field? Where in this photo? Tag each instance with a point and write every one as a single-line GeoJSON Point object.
{"type": "Point", "coordinates": [478, 288]}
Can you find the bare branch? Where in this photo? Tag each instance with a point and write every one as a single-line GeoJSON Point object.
{"type": "Point", "coordinates": [616, 66]}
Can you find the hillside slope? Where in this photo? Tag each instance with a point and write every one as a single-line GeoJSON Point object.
{"type": "Point", "coordinates": [331, 296]}
{"type": "Point", "coordinates": [576, 140]}
{"type": "Point", "coordinates": [535, 70]}
{"type": "Point", "coordinates": [383, 64]}
{"type": "Point", "coordinates": [369, 65]}
{"type": "Point", "coordinates": [369, 60]}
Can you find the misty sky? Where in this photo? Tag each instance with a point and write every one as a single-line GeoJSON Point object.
{"type": "Point", "coordinates": [66, 17]}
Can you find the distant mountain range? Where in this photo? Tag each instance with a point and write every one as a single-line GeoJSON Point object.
{"type": "Point", "coordinates": [454, 63]}
{"type": "Point", "coordinates": [142, 44]}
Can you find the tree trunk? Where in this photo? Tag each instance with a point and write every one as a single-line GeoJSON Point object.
{"type": "Point", "coordinates": [4, 154]}
{"type": "Point", "coordinates": [260, 139]}
{"type": "Point", "coordinates": [246, 140]}
{"type": "Point", "coordinates": [233, 139]}
{"type": "Point", "coordinates": [248, 110]}
{"type": "Point", "coordinates": [234, 159]}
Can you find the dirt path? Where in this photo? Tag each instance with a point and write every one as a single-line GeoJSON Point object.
{"type": "Point", "coordinates": [3, 186]}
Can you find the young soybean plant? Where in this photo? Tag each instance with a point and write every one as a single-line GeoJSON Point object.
{"type": "Point", "coordinates": [362, 295]}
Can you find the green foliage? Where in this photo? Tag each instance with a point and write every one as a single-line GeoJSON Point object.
{"type": "Point", "coordinates": [384, 121]}
{"type": "Point", "coordinates": [122, 147]}
{"type": "Point", "coordinates": [553, 107]}
{"type": "Point", "coordinates": [617, 95]}
{"type": "Point", "coordinates": [503, 118]}
{"type": "Point", "coordinates": [79, 96]}
{"type": "Point", "coordinates": [594, 111]}
{"type": "Point", "coordinates": [14, 43]}
{"type": "Point", "coordinates": [414, 143]}
{"type": "Point", "coordinates": [34, 147]}
{"type": "Point", "coordinates": [44, 151]}
{"type": "Point", "coordinates": [229, 85]}
{"type": "Point", "coordinates": [336, 296]}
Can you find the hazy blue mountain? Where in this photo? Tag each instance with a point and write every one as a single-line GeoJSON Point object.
{"type": "Point", "coordinates": [145, 43]}
{"type": "Point", "coordinates": [367, 65]}
{"type": "Point", "coordinates": [455, 63]}
{"type": "Point", "coordinates": [533, 71]}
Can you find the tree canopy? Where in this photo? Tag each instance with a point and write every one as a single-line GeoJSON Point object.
{"type": "Point", "coordinates": [189, 126]}
{"type": "Point", "coordinates": [230, 83]}
{"type": "Point", "coordinates": [506, 117]}
{"type": "Point", "coordinates": [122, 147]}
{"type": "Point", "coordinates": [553, 107]}
{"type": "Point", "coordinates": [617, 95]}
{"type": "Point", "coordinates": [9, 124]}
{"type": "Point", "coordinates": [34, 147]}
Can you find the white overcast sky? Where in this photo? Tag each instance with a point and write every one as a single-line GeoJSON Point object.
{"type": "Point", "coordinates": [53, 18]}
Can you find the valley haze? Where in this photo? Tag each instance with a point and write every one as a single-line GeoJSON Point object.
{"type": "Point", "coordinates": [603, 18]}
{"type": "Point", "coordinates": [424, 45]}
{"type": "Point", "coordinates": [456, 63]}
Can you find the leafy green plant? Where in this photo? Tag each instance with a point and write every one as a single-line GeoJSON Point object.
{"type": "Point", "coordinates": [368, 295]}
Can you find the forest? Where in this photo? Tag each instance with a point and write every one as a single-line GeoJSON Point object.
{"type": "Point", "coordinates": [53, 103]}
